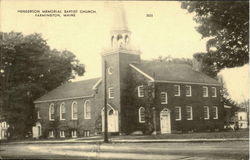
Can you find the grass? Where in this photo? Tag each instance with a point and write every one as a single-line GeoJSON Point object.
{"type": "Point", "coordinates": [201, 135]}
{"type": "Point", "coordinates": [195, 135]}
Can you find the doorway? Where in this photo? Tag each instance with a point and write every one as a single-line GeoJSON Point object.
{"type": "Point", "coordinates": [112, 119]}
{"type": "Point", "coordinates": [165, 121]}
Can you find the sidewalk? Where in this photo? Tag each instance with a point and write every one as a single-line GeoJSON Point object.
{"type": "Point", "coordinates": [117, 140]}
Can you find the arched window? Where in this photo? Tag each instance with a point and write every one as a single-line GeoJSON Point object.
{"type": "Point", "coordinates": [87, 109]}
{"type": "Point", "coordinates": [51, 112]}
{"type": "Point", "coordinates": [120, 40]}
{"type": "Point", "coordinates": [112, 41]}
{"type": "Point", "coordinates": [74, 110]}
{"type": "Point", "coordinates": [141, 115]}
{"type": "Point", "coordinates": [126, 39]}
{"type": "Point", "coordinates": [111, 112]}
{"type": "Point", "coordinates": [119, 37]}
{"type": "Point", "coordinates": [62, 111]}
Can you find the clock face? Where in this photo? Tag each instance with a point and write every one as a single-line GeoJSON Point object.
{"type": "Point", "coordinates": [110, 70]}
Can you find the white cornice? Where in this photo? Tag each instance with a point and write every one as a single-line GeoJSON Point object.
{"type": "Point", "coordinates": [63, 99]}
{"type": "Point", "coordinates": [120, 50]}
{"type": "Point", "coordinates": [97, 84]}
{"type": "Point", "coordinates": [143, 73]}
{"type": "Point", "coordinates": [207, 84]}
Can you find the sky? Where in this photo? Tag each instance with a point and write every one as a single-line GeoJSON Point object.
{"type": "Point", "coordinates": [169, 32]}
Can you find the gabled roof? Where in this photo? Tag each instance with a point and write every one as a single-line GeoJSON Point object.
{"type": "Point", "coordinates": [172, 72]}
{"type": "Point", "coordinates": [70, 90]}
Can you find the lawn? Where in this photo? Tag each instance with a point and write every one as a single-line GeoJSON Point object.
{"type": "Point", "coordinates": [200, 135]}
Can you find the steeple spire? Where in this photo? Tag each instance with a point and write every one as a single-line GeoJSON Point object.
{"type": "Point", "coordinates": [120, 35]}
{"type": "Point", "coordinates": [119, 17]}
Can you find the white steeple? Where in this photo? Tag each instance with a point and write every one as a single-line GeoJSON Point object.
{"type": "Point", "coordinates": [120, 34]}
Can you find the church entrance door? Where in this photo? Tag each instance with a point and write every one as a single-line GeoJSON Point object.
{"type": "Point", "coordinates": [165, 121]}
{"type": "Point", "coordinates": [112, 120]}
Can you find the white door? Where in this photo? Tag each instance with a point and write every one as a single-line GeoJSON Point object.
{"type": "Point", "coordinates": [112, 121]}
{"type": "Point", "coordinates": [165, 121]}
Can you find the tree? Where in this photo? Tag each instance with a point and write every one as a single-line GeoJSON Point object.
{"type": "Point", "coordinates": [169, 60]}
{"type": "Point", "coordinates": [29, 69]}
{"type": "Point", "coordinates": [226, 25]}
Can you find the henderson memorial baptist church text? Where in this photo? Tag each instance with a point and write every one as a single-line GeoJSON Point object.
{"type": "Point", "coordinates": [142, 96]}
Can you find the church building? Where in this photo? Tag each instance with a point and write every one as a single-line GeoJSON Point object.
{"type": "Point", "coordinates": [142, 96]}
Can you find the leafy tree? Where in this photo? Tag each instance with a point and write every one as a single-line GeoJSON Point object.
{"type": "Point", "coordinates": [226, 25]}
{"type": "Point", "coordinates": [169, 59]}
{"type": "Point", "coordinates": [29, 69]}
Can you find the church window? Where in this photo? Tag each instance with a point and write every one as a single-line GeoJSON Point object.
{"type": "Point", "coordinates": [119, 37]}
{"type": "Point", "coordinates": [142, 115]}
{"type": "Point", "coordinates": [52, 112]}
{"type": "Point", "coordinates": [140, 91]}
{"type": "Point", "coordinates": [73, 133]}
{"type": "Point", "coordinates": [62, 111]}
{"type": "Point", "coordinates": [111, 93]}
{"type": "Point", "coordinates": [74, 110]}
{"type": "Point", "coordinates": [189, 113]}
{"type": "Point", "coordinates": [177, 113]}
{"type": "Point", "coordinates": [111, 112]}
{"type": "Point", "coordinates": [38, 114]}
{"type": "Point", "coordinates": [206, 112]}
{"type": "Point", "coordinates": [51, 133]}
{"type": "Point", "coordinates": [215, 112]}
{"type": "Point", "coordinates": [205, 91]}
{"type": "Point", "coordinates": [87, 110]}
{"type": "Point", "coordinates": [62, 134]}
{"type": "Point", "coordinates": [214, 92]}
{"type": "Point", "coordinates": [164, 98]}
{"type": "Point", "coordinates": [86, 133]}
{"type": "Point", "coordinates": [126, 38]}
{"type": "Point", "coordinates": [188, 91]}
{"type": "Point", "coordinates": [112, 39]}
{"type": "Point", "coordinates": [177, 90]}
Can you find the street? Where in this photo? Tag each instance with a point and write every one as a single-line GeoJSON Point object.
{"type": "Point", "coordinates": [155, 151]}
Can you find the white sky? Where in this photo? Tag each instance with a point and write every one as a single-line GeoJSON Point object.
{"type": "Point", "coordinates": [171, 31]}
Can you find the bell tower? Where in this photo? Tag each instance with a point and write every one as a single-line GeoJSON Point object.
{"type": "Point", "coordinates": [120, 34]}
{"type": "Point", "coordinates": [115, 63]}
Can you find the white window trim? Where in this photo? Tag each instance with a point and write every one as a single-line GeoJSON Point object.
{"type": "Point", "coordinates": [4, 125]}
{"type": "Point", "coordinates": [74, 134]}
{"type": "Point", "coordinates": [62, 104]}
{"type": "Point", "coordinates": [178, 119]}
{"type": "Point", "coordinates": [62, 134]}
{"type": "Point", "coordinates": [166, 97]}
{"type": "Point", "coordinates": [109, 92]}
{"type": "Point", "coordinates": [85, 110]}
{"type": "Point", "coordinates": [38, 114]}
{"type": "Point", "coordinates": [51, 135]}
{"type": "Point", "coordinates": [50, 106]}
{"type": "Point", "coordinates": [139, 91]}
{"type": "Point", "coordinates": [208, 114]}
{"type": "Point", "coordinates": [191, 113]}
{"type": "Point", "coordinates": [215, 92]}
{"type": "Point", "coordinates": [189, 95]}
{"type": "Point", "coordinates": [216, 112]}
{"type": "Point", "coordinates": [206, 91]}
{"type": "Point", "coordinates": [72, 111]}
{"type": "Point", "coordinates": [140, 121]}
{"type": "Point", "coordinates": [179, 90]}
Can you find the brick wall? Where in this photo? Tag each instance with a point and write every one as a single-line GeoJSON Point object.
{"type": "Point", "coordinates": [196, 101]}
{"type": "Point", "coordinates": [132, 103]}
{"type": "Point", "coordinates": [81, 124]}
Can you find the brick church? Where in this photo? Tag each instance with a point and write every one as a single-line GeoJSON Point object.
{"type": "Point", "coordinates": [142, 96]}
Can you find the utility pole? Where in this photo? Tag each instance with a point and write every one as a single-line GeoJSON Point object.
{"type": "Point", "coordinates": [106, 140]}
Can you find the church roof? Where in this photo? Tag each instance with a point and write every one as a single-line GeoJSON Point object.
{"type": "Point", "coordinates": [70, 90]}
{"type": "Point", "coordinates": [174, 72]}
